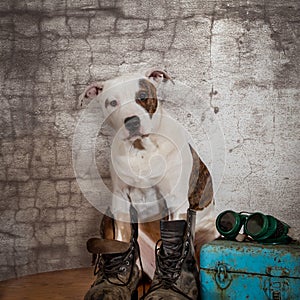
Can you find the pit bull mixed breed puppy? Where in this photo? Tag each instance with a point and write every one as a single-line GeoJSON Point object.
{"type": "Point", "coordinates": [154, 169]}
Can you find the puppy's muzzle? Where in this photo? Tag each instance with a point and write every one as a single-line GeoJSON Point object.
{"type": "Point", "coordinates": [132, 124]}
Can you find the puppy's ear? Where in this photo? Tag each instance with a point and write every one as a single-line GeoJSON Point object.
{"type": "Point", "coordinates": [92, 91]}
{"type": "Point", "coordinates": [158, 75]}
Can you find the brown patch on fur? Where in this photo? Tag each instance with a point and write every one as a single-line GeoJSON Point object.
{"type": "Point", "coordinates": [200, 185]}
{"type": "Point", "coordinates": [150, 101]}
{"type": "Point", "coordinates": [137, 144]}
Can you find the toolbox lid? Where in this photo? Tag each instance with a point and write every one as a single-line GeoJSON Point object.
{"type": "Point", "coordinates": [253, 258]}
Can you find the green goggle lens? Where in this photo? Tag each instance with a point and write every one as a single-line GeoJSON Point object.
{"type": "Point", "coordinates": [229, 224]}
{"type": "Point", "coordinates": [256, 225]}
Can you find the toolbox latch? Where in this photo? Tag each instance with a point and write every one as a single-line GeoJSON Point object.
{"type": "Point", "coordinates": [223, 278]}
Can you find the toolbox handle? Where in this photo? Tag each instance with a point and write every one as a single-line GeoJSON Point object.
{"type": "Point", "coordinates": [277, 288]}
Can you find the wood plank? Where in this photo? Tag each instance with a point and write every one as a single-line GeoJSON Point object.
{"type": "Point", "coordinates": [57, 285]}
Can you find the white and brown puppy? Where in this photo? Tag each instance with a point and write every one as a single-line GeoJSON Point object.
{"type": "Point", "coordinates": [152, 163]}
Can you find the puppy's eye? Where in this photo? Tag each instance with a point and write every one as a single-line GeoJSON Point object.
{"type": "Point", "coordinates": [113, 103]}
{"type": "Point", "coordinates": [143, 96]}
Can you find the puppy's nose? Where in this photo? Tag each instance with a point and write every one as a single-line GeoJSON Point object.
{"type": "Point", "coordinates": [132, 124]}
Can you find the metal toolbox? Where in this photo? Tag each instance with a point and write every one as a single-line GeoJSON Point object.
{"type": "Point", "coordinates": [247, 270]}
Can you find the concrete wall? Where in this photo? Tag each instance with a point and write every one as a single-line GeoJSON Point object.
{"type": "Point", "coordinates": [241, 58]}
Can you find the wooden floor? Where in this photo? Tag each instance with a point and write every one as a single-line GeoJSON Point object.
{"type": "Point", "coordinates": [58, 285]}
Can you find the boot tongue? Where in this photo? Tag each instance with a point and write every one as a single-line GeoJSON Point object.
{"type": "Point", "coordinates": [172, 235]}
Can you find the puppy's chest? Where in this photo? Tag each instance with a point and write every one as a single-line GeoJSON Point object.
{"type": "Point", "coordinates": [152, 152]}
{"type": "Point", "coordinates": [145, 166]}
{"type": "Point", "coordinates": [146, 157]}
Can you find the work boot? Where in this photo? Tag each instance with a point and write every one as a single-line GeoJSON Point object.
{"type": "Point", "coordinates": [176, 275]}
{"type": "Point", "coordinates": [116, 269]}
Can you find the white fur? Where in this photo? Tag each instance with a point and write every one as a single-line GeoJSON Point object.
{"type": "Point", "coordinates": [163, 166]}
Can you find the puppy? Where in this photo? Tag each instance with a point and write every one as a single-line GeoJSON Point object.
{"type": "Point", "coordinates": [153, 165]}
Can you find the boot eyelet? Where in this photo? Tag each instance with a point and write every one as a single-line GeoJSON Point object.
{"type": "Point", "coordinates": [127, 263]}
{"type": "Point", "coordinates": [130, 256]}
{"type": "Point", "coordinates": [122, 269]}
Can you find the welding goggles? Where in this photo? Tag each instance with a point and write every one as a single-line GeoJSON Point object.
{"type": "Point", "coordinates": [261, 228]}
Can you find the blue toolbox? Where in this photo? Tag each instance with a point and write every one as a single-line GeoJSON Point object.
{"type": "Point", "coordinates": [249, 270]}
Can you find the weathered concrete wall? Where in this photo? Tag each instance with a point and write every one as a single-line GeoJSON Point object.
{"type": "Point", "coordinates": [242, 57]}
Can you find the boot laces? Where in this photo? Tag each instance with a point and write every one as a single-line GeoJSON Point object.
{"type": "Point", "coordinates": [169, 266]}
{"type": "Point", "coordinates": [169, 269]}
{"type": "Point", "coordinates": [118, 265]}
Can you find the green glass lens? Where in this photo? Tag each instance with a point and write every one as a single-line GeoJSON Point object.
{"type": "Point", "coordinates": [227, 221]}
{"type": "Point", "coordinates": [258, 226]}
{"type": "Point", "coordinates": [229, 224]}
{"type": "Point", "coordinates": [255, 224]}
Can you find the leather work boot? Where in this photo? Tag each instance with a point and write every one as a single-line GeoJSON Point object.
{"type": "Point", "coordinates": [176, 275]}
{"type": "Point", "coordinates": [116, 269]}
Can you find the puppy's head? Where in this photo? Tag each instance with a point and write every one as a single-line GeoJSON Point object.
{"type": "Point", "coordinates": [130, 102]}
